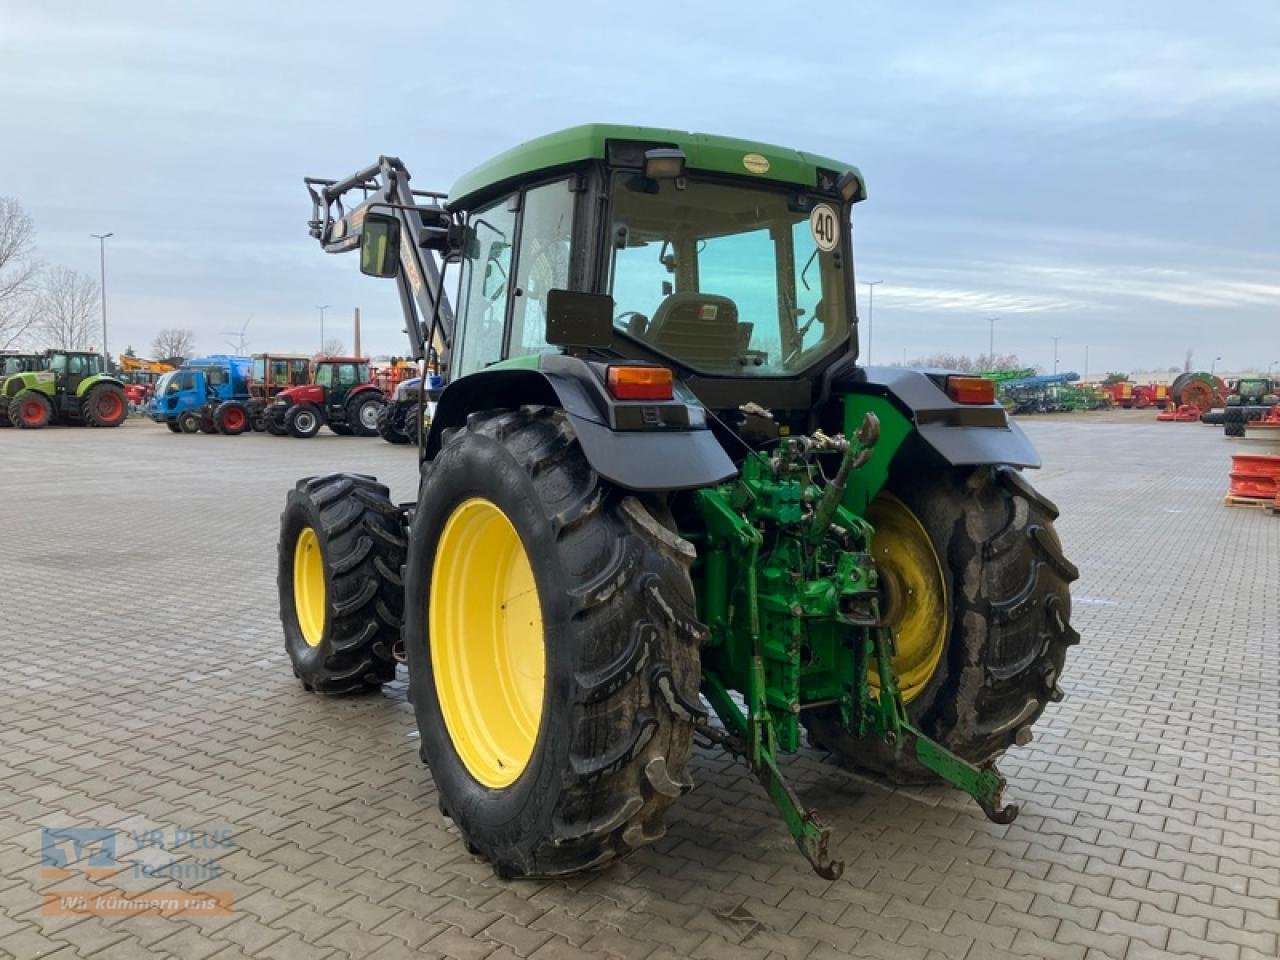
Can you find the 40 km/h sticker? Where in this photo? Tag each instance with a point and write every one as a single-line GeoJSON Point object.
{"type": "Point", "coordinates": [825, 227]}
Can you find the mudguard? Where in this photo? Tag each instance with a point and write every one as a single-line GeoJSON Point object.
{"type": "Point", "coordinates": [88, 383]}
{"type": "Point", "coordinates": [962, 434]}
{"type": "Point", "coordinates": [635, 445]}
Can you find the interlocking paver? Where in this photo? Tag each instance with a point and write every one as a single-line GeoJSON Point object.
{"type": "Point", "coordinates": [158, 696]}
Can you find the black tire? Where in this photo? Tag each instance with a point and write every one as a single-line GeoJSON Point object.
{"type": "Point", "coordinates": [189, 421]}
{"type": "Point", "coordinates": [1008, 587]}
{"type": "Point", "coordinates": [207, 425]}
{"type": "Point", "coordinates": [275, 424]}
{"type": "Point", "coordinates": [386, 428]}
{"type": "Point", "coordinates": [362, 413]}
{"type": "Point", "coordinates": [360, 536]}
{"type": "Point", "coordinates": [303, 421]}
{"type": "Point", "coordinates": [173, 426]}
{"type": "Point", "coordinates": [226, 421]}
{"type": "Point", "coordinates": [105, 405]}
{"type": "Point", "coordinates": [341, 429]}
{"type": "Point", "coordinates": [1233, 421]}
{"type": "Point", "coordinates": [622, 662]}
{"type": "Point", "coordinates": [33, 399]}
{"type": "Point", "coordinates": [4, 413]}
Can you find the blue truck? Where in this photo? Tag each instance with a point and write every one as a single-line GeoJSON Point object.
{"type": "Point", "coordinates": [205, 395]}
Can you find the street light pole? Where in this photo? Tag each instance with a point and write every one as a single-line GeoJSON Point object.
{"type": "Point", "coordinates": [1055, 353]}
{"type": "Point", "coordinates": [871, 313]}
{"type": "Point", "coordinates": [102, 267]}
{"type": "Point", "coordinates": [1213, 367]}
{"type": "Point", "coordinates": [322, 310]}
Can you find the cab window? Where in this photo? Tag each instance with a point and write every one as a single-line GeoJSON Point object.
{"type": "Point", "coordinates": [485, 285]}
{"type": "Point", "coordinates": [542, 264]}
{"type": "Point", "coordinates": [347, 375]}
{"type": "Point", "coordinates": [324, 375]}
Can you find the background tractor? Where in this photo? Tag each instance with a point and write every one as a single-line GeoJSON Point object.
{"type": "Point", "coordinates": [205, 395]}
{"type": "Point", "coordinates": [13, 362]}
{"type": "Point", "coordinates": [1251, 401]}
{"type": "Point", "coordinates": [661, 500]}
{"type": "Point", "coordinates": [69, 387]}
{"type": "Point", "coordinates": [403, 418]}
{"type": "Point", "coordinates": [341, 395]}
{"type": "Point", "coordinates": [273, 374]}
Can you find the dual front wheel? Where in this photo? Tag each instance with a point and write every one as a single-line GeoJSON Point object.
{"type": "Point", "coordinates": [553, 648]}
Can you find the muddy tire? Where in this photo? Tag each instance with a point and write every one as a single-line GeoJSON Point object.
{"type": "Point", "coordinates": [303, 421]}
{"type": "Point", "coordinates": [231, 418]}
{"type": "Point", "coordinates": [1233, 421]}
{"type": "Point", "coordinates": [30, 410]}
{"type": "Point", "coordinates": [341, 597]}
{"type": "Point", "coordinates": [619, 644]}
{"type": "Point", "coordinates": [386, 429]}
{"type": "Point", "coordinates": [1007, 586]}
{"type": "Point", "coordinates": [105, 405]}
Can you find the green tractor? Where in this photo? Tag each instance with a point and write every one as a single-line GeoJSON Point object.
{"type": "Point", "coordinates": [13, 362]}
{"type": "Point", "coordinates": [661, 503]}
{"type": "Point", "coordinates": [68, 387]}
{"type": "Point", "coordinates": [1252, 400]}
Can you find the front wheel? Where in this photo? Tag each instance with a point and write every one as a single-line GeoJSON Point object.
{"type": "Point", "coordinates": [189, 421]}
{"type": "Point", "coordinates": [231, 418]}
{"type": "Point", "coordinates": [362, 413]}
{"type": "Point", "coordinates": [552, 648]}
{"type": "Point", "coordinates": [386, 425]}
{"type": "Point", "coordinates": [975, 586]}
{"type": "Point", "coordinates": [302, 421]}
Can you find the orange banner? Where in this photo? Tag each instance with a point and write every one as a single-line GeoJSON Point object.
{"type": "Point", "coordinates": [120, 903]}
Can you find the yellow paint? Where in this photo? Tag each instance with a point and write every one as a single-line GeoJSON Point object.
{"type": "Point", "coordinates": [914, 593]}
{"type": "Point", "coordinates": [487, 647]}
{"type": "Point", "coordinates": [308, 586]}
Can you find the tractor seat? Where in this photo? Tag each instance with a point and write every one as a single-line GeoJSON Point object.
{"type": "Point", "coordinates": [699, 328]}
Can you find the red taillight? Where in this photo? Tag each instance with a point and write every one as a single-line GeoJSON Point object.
{"type": "Point", "coordinates": [640, 383]}
{"type": "Point", "coordinates": [971, 389]}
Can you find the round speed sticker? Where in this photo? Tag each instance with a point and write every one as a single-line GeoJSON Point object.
{"type": "Point", "coordinates": [825, 227]}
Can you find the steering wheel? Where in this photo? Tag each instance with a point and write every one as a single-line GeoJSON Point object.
{"type": "Point", "coordinates": [637, 322]}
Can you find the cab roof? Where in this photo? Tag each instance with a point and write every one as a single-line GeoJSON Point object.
{"type": "Point", "coordinates": [702, 151]}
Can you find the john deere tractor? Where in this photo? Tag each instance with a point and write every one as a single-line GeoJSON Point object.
{"type": "Point", "coordinates": [68, 387]}
{"type": "Point", "coordinates": [661, 502]}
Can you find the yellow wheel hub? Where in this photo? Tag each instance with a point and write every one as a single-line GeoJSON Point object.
{"type": "Point", "coordinates": [913, 593]}
{"type": "Point", "coordinates": [487, 648]}
{"type": "Point", "coordinates": [308, 586]}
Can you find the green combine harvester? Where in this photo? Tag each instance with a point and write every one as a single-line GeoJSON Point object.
{"type": "Point", "coordinates": [661, 503]}
{"type": "Point", "coordinates": [62, 386]}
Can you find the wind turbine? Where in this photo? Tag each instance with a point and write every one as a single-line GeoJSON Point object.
{"type": "Point", "coordinates": [241, 343]}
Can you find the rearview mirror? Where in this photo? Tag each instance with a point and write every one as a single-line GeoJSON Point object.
{"type": "Point", "coordinates": [380, 245]}
{"type": "Point", "coordinates": [579, 319]}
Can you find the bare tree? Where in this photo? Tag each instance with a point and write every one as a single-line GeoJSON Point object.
{"type": "Point", "coordinates": [173, 343]}
{"type": "Point", "coordinates": [19, 272]}
{"type": "Point", "coordinates": [67, 309]}
{"type": "Point", "coordinates": [971, 364]}
{"type": "Point", "coordinates": [333, 347]}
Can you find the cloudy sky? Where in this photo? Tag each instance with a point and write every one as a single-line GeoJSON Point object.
{"type": "Point", "coordinates": [1102, 173]}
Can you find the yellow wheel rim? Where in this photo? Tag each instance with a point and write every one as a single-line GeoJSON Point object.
{"type": "Point", "coordinates": [308, 586]}
{"type": "Point", "coordinates": [913, 593]}
{"type": "Point", "coordinates": [487, 648]}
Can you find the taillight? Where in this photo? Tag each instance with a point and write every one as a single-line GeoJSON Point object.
{"type": "Point", "coordinates": [971, 389]}
{"type": "Point", "coordinates": [640, 383]}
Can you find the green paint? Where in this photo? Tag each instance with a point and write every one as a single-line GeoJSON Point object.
{"type": "Point", "coordinates": [789, 593]}
{"type": "Point", "coordinates": [589, 142]}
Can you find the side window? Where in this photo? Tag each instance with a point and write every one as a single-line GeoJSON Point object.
{"type": "Point", "coordinates": [76, 367]}
{"type": "Point", "coordinates": [812, 314]}
{"type": "Point", "coordinates": [300, 373]}
{"type": "Point", "coordinates": [486, 286]}
{"type": "Point", "coordinates": [542, 264]}
{"type": "Point", "coordinates": [260, 369]}
{"type": "Point", "coordinates": [188, 381]}
{"type": "Point", "coordinates": [324, 375]}
{"type": "Point", "coordinates": [347, 375]}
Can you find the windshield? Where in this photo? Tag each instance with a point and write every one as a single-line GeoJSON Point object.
{"type": "Point", "coordinates": [162, 385]}
{"type": "Point", "coordinates": [728, 279]}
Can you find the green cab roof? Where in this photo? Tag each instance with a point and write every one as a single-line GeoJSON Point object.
{"type": "Point", "coordinates": [702, 152]}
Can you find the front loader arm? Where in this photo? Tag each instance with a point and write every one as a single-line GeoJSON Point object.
{"type": "Point", "coordinates": [423, 227]}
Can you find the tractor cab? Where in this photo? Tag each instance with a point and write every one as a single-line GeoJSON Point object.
{"type": "Point", "coordinates": [11, 362]}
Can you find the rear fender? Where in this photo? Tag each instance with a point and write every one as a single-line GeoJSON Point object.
{"type": "Point", "coordinates": [657, 459]}
{"type": "Point", "coordinates": [916, 416]}
{"type": "Point", "coordinates": [88, 383]}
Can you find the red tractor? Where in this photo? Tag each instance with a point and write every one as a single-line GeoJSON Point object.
{"type": "Point", "coordinates": [340, 395]}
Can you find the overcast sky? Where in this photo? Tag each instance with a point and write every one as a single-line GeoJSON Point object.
{"type": "Point", "coordinates": [1104, 173]}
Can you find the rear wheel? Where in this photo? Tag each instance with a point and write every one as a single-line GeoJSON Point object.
{"type": "Point", "coordinates": [30, 410]}
{"type": "Point", "coordinates": [231, 418]}
{"type": "Point", "coordinates": [362, 413]}
{"type": "Point", "coordinates": [552, 647]}
{"type": "Point", "coordinates": [105, 405]}
{"type": "Point", "coordinates": [1233, 421]}
{"type": "Point", "coordinates": [341, 596]}
{"type": "Point", "coordinates": [302, 421]}
{"type": "Point", "coordinates": [976, 587]}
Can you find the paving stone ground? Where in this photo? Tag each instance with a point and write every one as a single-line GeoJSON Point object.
{"type": "Point", "coordinates": [146, 689]}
